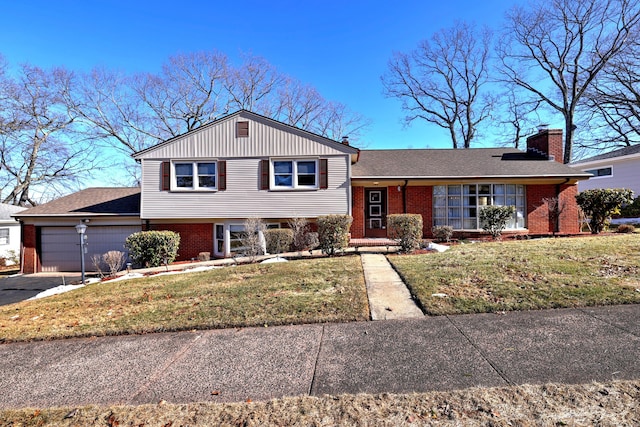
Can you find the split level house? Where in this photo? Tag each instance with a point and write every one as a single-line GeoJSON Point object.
{"type": "Point", "coordinates": [205, 183]}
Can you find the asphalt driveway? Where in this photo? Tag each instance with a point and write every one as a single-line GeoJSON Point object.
{"type": "Point", "coordinates": [19, 288]}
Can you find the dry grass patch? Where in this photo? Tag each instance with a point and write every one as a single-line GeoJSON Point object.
{"type": "Point", "coordinates": [611, 404]}
{"type": "Point", "coordinates": [308, 291]}
{"type": "Point", "coordinates": [524, 275]}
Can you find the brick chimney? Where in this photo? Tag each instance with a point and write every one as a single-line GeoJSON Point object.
{"type": "Point", "coordinates": [547, 143]}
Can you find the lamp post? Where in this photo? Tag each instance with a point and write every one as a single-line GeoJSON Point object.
{"type": "Point", "coordinates": [81, 229]}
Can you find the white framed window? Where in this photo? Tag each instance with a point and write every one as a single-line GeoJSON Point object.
{"type": "Point", "coordinates": [4, 236]}
{"type": "Point", "coordinates": [604, 172]}
{"type": "Point", "coordinates": [194, 175]}
{"type": "Point", "coordinates": [459, 206]}
{"type": "Point", "coordinates": [291, 174]}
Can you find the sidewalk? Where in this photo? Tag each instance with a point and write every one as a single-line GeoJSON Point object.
{"type": "Point", "coordinates": [396, 356]}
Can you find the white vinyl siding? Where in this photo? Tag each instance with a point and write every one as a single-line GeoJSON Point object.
{"type": "Point", "coordinates": [243, 198]}
{"type": "Point", "coordinates": [625, 173]}
{"type": "Point", "coordinates": [265, 140]}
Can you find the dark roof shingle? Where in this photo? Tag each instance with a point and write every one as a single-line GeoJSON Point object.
{"type": "Point", "coordinates": [92, 201]}
{"type": "Point", "coordinates": [448, 163]}
{"type": "Point", "coordinates": [626, 151]}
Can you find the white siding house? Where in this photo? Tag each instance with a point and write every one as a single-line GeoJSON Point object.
{"type": "Point", "coordinates": [9, 232]}
{"type": "Point", "coordinates": [209, 180]}
{"type": "Point", "coordinates": [616, 169]}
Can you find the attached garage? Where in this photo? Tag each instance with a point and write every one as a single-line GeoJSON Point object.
{"type": "Point", "coordinates": [50, 241]}
{"type": "Point", "coordinates": [60, 246]}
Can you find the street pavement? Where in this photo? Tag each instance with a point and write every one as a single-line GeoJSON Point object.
{"type": "Point", "coordinates": [22, 287]}
{"type": "Point", "coordinates": [398, 356]}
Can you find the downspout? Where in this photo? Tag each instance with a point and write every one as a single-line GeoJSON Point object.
{"type": "Point", "coordinates": [404, 196]}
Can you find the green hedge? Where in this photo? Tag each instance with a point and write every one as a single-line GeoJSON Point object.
{"type": "Point", "coordinates": [153, 248]}
{"type": "Point", "coordinates": [407, 229]}
{"type": "Point", "coordinates": [333, 233]}
{"type": "Point", "coordinates": [278, 240]}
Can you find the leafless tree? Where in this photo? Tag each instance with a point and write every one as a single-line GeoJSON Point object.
{"type": "Point", "coordinates": [615, 99]}
{"type": "Point", "coordinates": [443, 81]}
{"type": "Point", "coordinates": [556, 48]}
{"type": "Point", "coordinates": [40, 151]}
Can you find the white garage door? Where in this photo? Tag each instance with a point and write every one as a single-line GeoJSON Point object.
{"type": "Point", "coordinates": [60, 246]}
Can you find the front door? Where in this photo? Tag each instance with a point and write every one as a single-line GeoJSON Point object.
{"type": "Point", "coordinates": [375, 212]}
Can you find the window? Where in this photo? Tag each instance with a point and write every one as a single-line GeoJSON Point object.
{"type": "Point", "coordinates": [608, 171]}
{"type": "Point", "coordinates": [4, 236]}
{"type": "Point", "coordinates": [195, 175]}
{"type": "Point", "coordinates": [458, 206]}
{"type": "Point", "coordinates": [295, 174]}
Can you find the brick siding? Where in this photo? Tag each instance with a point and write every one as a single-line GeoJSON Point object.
{"type": "Point", "coordinates": [194, 238]}
{"type": "Point", "coordinates": [30, 257]}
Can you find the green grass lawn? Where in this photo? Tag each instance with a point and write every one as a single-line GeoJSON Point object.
{"type": "Point", "coordinates": [309, 291]}
{"type": "Point", "coordinates": [523, 275]}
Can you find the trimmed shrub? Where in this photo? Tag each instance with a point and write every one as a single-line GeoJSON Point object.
{"type": "Point", "coordinates": [153, 248]}
{"type": "Point", "coordinates": [442, 233]}
{"type": "Point", "coordinates": [333, 233]}
{"type": "Point", "coordinates": [494, 219]}
{"type": "Point", "coordinates": [407, 229]}
{"type": "Point", "coordinates": [625, 228]}
{"type": "Point", "coordinates": [599, 204]}
{"type": "Point", "coordinates": [278, 240]}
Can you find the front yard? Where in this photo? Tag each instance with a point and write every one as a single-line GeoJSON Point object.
{"type": "Point", "coordinates": [319, 290]}
{"type": "Point", "coordinates": [525, 275]}
{"type": "Point", "coordinates": [469, 278]}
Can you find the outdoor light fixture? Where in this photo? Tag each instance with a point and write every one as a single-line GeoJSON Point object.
{"type": "Point", "coordinates": [81, 229]}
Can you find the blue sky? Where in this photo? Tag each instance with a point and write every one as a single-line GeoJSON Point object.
{"type": "Point", "coordinates": [339, 47]}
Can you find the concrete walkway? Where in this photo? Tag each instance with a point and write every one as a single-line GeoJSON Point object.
{"type": "Point", "coordinates": [397, 356]}
{"type": "Point", "coordinates": [389, 297]}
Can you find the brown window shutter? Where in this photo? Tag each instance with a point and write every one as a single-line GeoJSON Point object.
{"type": "Point", "coordinates": [166, 176]}
{"type": "Point", "coordinates": [264, 174]}
{"type": "Point", "coordinates": [242, 129]}
{"type": "Point", "coordinates": [222, 175]}
{"type": "Point", "coordinates": [324, 181]}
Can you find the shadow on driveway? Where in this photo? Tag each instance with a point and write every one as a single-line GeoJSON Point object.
{"type": "Point", "coordinates": [19, 288]}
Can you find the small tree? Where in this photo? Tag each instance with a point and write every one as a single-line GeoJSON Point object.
{"type": "Point", "coordinates": [333, 233]}
{"type": "Point", "coordinates": [253, 238]}
{"type": "Point", "coordinates": [555, 206]}
{"type": "Point", "coordinates": [302, 238]}
{"type": "Point", "coordinates": [494, 219]}
{"type": "Point", "coordinates": [407, 228]}
{"type": "Point", "coordinates": [153, 248]}
{"type": "Point", "coordinates": [599, 204]}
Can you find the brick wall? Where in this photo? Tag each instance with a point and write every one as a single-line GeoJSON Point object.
{"type": "Point", "coordinates": [539, 220]}
{"type": "Point", "coordinates": [394, 200]}
{"type": "Point", "coordinates": [357, 211]}
{"type": "Point", "coordinates": [29, 254]}
{"type": "Point", "coordinates": [420, 201]}
{"type": "Point", "coordinates": [194, 238]}
{"type": "Point", "coordinates": [548, 141]}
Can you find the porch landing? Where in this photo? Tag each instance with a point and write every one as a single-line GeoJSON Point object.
{"type": "Point", "coordinates": [371, 241]}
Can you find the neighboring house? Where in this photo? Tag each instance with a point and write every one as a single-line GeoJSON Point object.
{"type": "Point", "coordinates": [9, 232]}
{"type": "Point", "coordinates": [206, 183]}
{"type": "Point", "coordinates": [615, 169]}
